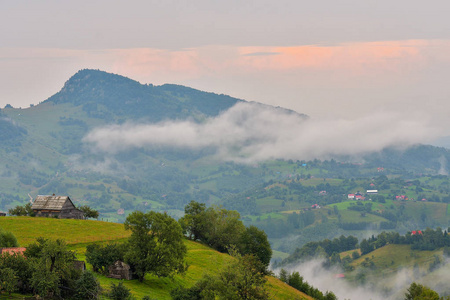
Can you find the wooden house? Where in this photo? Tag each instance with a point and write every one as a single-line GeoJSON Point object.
{"type": "Point", "coordinates": [56, 206]}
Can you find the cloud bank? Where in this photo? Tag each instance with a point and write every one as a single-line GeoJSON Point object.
{"type": "Point", "coordinates": [251, 132]}
{"type": "Point", "coordinates": [391, 286]}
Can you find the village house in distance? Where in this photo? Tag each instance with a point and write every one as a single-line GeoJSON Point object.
{"type": "Point", "coordinates": [56, 206]}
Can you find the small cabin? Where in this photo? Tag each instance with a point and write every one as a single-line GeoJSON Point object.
{"type": "Point", "coordinates": [79, 265]}
{"type": "Point", "coordinates": [56, 206]}
{"type": "Point", "coordinates": [120, 270]}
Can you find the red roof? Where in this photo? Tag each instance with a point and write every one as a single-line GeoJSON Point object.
{"type": "Point", "coordinates": [12, 250]}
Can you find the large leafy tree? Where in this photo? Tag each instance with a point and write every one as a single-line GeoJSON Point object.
{"type": "Point", "coordinates": [22, 269]}
{"type": "Point", "coordinates": [192, 222]}
{"type": "Point", "coordinates": [52, 265]}
{"type": "Point", "coordinates": [254, 241]}
{"type": "Point", "coordinates": [223, 228]}
{"type": "Point", "coordinates": [156, 244]}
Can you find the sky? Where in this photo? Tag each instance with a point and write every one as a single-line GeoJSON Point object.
{"type": "Point", "coordinates": [332, 60]}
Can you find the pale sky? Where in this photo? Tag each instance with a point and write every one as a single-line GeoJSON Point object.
{"type": "Point", "coordinates": [329, 59]}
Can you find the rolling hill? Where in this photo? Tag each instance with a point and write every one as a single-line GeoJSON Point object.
{"type": "Point", "coordinates": [80, 233]}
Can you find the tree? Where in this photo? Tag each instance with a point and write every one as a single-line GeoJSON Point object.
{"type": "Point", "coordinates": [8, 280]}
{"type": "Point", "coordinates": [44, 282]}
{"type": "Point", "coordinates": [192, 221]}
{"type": "Point", "coordinates": [119, 292]}
{"type": "Point", "coordinates": [21, 266]}
{"type": "Point", "coordinates": [87, 286]}
{"type": "Point", "coordinates": [335, 258]}
{"type": "Point", "coordinates": [420, 292]}
{"type": "Point", "coordinates": [52, 266]}
{"type": "Point", "coordinates": [223, 228]}
{"type": "Point", "coordinates": [242, 279]}
{"type": "Point", "coordinates": [355, 254]}
{"type": "Point", "coordinates": [7, 239]}
{"type": "Point", "coordinates": [88, 212]}
{"type": "Point", "coordinates": [101, 257]}
{"type": "Point", "coordinates": [283, 276]}
{"type": "Point", "coordinates": [156, 244]}
{"type": "Point", "coordinates": [254, 241]}
{"type": "Point", "coordinates": [366, 247]}
{"type": "Point", "coordinates": [21, 210]}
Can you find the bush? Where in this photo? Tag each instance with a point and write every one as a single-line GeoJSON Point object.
{"type": "Point", "coordinates": [87, 286]}
{"type": "Point", "coordinates": [119, 292]}
{"type": "Point", "coordinates": [7, 239]}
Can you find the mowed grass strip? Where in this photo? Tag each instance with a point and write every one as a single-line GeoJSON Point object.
{"type": "Point", "coordinates": [27, 229]}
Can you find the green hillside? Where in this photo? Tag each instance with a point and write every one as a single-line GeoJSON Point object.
{"type": "Point", "coordinates": [80, 233]}
{"type": "Point", "coordinates": [390, 258]}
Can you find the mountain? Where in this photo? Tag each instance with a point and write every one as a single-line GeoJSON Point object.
{"type": "Point", "coordinates": [104, 95]}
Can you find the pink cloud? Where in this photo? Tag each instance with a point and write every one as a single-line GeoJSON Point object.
{"type": "Point", "coordinates": [357, 58]}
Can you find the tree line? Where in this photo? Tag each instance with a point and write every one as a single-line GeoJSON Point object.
{"type": "Point", "coordinates": [427, 239]}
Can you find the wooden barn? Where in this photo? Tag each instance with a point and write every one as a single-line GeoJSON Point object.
{"type": "Point", "coordinates": [56, 206]}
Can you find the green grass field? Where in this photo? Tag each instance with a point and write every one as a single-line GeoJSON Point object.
{"type": "Point", "coordinates": [27, 229]}
{"type": "Point", "coordinates": [80, 233]}
{"type": "Point", "coordinates": [352, 216]}
{"type": "Point", "coordinates": [390, 258]}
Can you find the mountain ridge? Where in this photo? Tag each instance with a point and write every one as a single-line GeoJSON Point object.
{"type": "Point", "coordinates": [117, 95]}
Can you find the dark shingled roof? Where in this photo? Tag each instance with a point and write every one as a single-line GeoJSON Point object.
{"type": "Point", "coordinates": [50, 202]}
